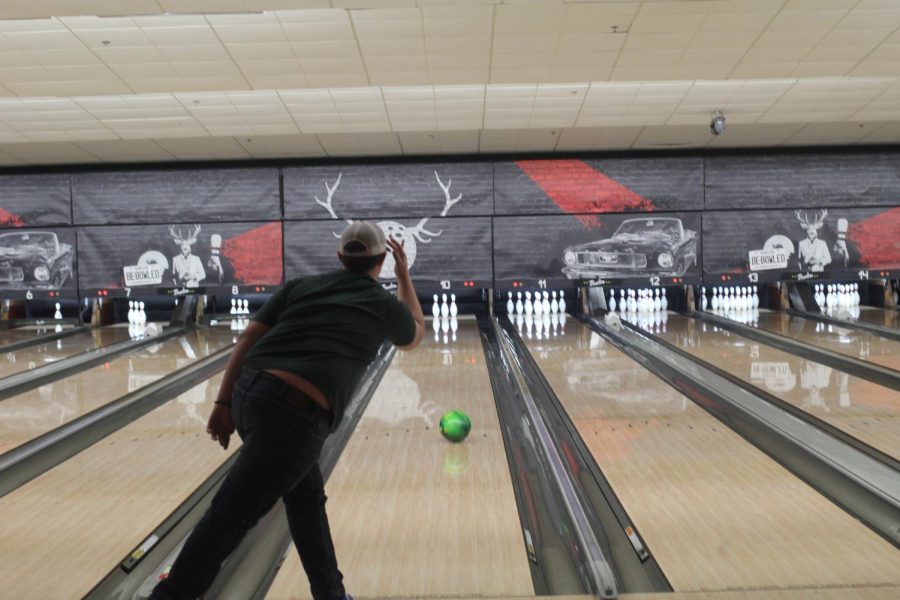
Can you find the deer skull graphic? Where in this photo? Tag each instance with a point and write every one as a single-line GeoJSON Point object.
{"type": "Point", "coordinates": [408, 235]}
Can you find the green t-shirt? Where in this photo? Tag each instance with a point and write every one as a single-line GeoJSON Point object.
{"type": "Point", "coordinates": [326, 329]}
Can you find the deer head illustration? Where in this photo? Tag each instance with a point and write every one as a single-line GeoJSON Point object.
{"type": "Point", "coordinates": [395, 230]}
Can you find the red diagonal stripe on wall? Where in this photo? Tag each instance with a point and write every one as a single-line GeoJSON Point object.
{"type": "Point", "coordinates": [576, 187]}
{"type": "Point", "coordinates": [256, 255]}
{"type": "Point", "coordinates": [9, 220]}
{"type": "Point", "coordinates": [877, 239]}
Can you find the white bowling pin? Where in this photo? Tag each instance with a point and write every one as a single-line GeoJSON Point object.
{"type": "Point", "coordinates": [855, 294]}
{"type": "Point", "coordinates": [657, 302]}
{"type": "Point", "coordinates": [755, 297]}
{"type": "Point", "coordinates": [510, 307]}
{"type": "Point", "coordinates": [142, 316]}
{"type": "Point", "coordinates": [453, 309]}
{"type": "Point", "coordinates": [233, 306]}
{"type": "Point", "coordinates": [519, 307]}
{"type": "Point", "coordinates": [562, 302]}
{"type": "Point", "coordinates": [528, 307]}
{"type": "Point", "coordinates": [435, 306]}
{"type": "Point", "coordinates": [538, 305]}
{"type": "Point", "coordinates": [663, 301]}
{"type": "Point", "coordinates": [715, 299]}
{"type": "Point", "coordinates": [554, 304]}
{"type": "Point", "coordinates": [246, 306]}
{"type": "Point", "coordinates": [611, 305]}
{"type": "Point", "coordinates": [546, 302]}
{"type": "Point", "coordinates": [703, 298]}
{"type": "Point", "coordinates": [131, 311]}
{"type": "Point", "coordinates": [445, 308]}
{"type": "Point", "coordinates": [58, 313]}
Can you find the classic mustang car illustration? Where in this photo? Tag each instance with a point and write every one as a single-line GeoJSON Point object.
{"type": "Point", "coordinates": [34, 259]}
{"type": "Point", "coordinates": [639, 248]}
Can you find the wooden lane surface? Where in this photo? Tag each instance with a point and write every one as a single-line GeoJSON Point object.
{"type": "Point", "coordinates": [717, 513]}
{"type": "Point", "coordinates": [65, 530]}
{"type": "Point", "coordinates": [856, 343]}
{"type": "Point", "coordinates": [412, 514]}
{"type": "Point", "coordinates": [860, 408]}
{"type": "Point", "coordinates": [41, 354]}
{"type": "Point", "coordinates": [17, 334]}
{"type": "Point", "coordinates": [37, 411]}
{"type": "Point", "coordinates": [823, 593]}
{"type": "Point", "coordinates": [886, 317]}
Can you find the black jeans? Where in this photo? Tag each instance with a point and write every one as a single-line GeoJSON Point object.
{"type": "Point", "coordinates": [283, 432]}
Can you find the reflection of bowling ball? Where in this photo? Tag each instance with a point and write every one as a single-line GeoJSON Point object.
{"type": "Point", "coordinates": [455, 425]}
{"type": "Point", "coordinates": [456, 459]}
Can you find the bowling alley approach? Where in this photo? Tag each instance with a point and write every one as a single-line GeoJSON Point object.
{"type": "Point", "coordinates": [479, 299]}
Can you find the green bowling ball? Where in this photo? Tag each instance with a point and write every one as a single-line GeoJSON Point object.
{"type": "Point", "coordinates": [455, 425]}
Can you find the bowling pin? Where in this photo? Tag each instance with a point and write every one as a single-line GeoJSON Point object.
{"type": "Point", "coordinates": [435, 307]}
{"type": "Point", "coordinates": [715, 299]}
{"type": "Point", "coordinates": [445, 308]}
{"type": "Point", "coordinates": [657, 302]}
{"type": "Point", "coordinates": [855, 294]}
{"type": "Point", "coordinates": [142, 316]}
{"type": "Point", "coordinates": [510, 307]}
{"type": "Point", "coordinates": [453, 309]}
{"type": "Point", "coordinates": [233, 306]}
{"type": "Point", "coordinates": [131, 311]}
{"type": "Point", "coordinates": [562, 302]}
{"type": "Point", "coordinates": [546, 302]}
{"type": "Point", "coordinates": [623, 304]}
{"type": "Point", "coordinates": [703, 298]}
{"type": "Point", "coordinates": [246, 306]}
{"type": "Point", "coordinates": [58, 313]}
{"type": "Point", "coordinates": [538, 305]}
{"type": "Point", "coordinates": [663, 301]}
{"type": "Point", "coordinates": [528, 307]}
{"type": "Point", "coordinates": [554, 304]}
{"type": "Point", "coordinates": [519, 307]}
{"type": "Point", "coordinates": [755, 297]}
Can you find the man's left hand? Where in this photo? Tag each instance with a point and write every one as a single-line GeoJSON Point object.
{"type": "Point", "coordinates": [220, 425]}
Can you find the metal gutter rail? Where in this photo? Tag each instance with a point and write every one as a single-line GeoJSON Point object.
{"type": "Point", "coordinates": [24, 463]}
{"type": "Point", "coordinates": [875, 373]}
{"type": "Point", "coordinates": [865, 487]}
{"type": "Point", "coordinates": [27, 380]}
{"type": "Point", "coordinates": [601, 573]}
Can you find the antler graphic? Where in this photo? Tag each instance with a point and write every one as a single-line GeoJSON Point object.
{"type": "Point", "coordinates": [330, 189]}
{"type": "Point", "coordinates": [179, 237]}
{"type": "Point", "coordinates": [816, 224]}
{"type": "Point", "coordinates": [449, 202]}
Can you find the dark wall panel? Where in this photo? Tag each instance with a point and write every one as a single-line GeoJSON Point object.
{"type": "Point", "coordinates": [40, 259]}
{"type": "Point", "coordinates": [388, 190]}
{"type": "Point", "coordinates": [219, 254]}
{"type": "Point", "coordinates": [847, 240]}
{"type": "Point", "coordinates": [573, 186]}
{"type": "Point", "coordinates": [600, 247]}
{"type": "Point", "coordinates": [35, 200]}
{"type": "Point", "coordinates": [802, 180]}
{"type": "Point", "coordinates": [194, 195]}
{"type": "Point", "coordinates": [454, 249]}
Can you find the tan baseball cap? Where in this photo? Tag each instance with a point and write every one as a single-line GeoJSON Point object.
{"type": "Point", "coordinates": [368, 236]}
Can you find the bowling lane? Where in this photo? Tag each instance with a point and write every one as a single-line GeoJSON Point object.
{"type": "Point", "coordinates": [41, 354]}
{"type": "Point", "coordinates": [413, 515]}
{"type": "Point", "coordinates": [717, 513]}
{"type": "Point", "coordinates": [37, 411]}
{"type": "Point", "coordinates": [17, 334]}
{"type": "Point", "coordinates": [885, 317]}
{"type": "Point", "coordinates": [65, 530]}
{"type": "Point", "coordinates": [857, 343]}
{"type": "Point", "coordinates": [862, 409]}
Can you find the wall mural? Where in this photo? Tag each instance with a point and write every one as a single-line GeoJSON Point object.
{"type": "Point", "coordinates": [207, 256]}
{"type": "Point", "coordinates": [802, 243]}
{"type": "Point", "coordinates": [37, 260]}
{"type": "Point", "coordinates": [657, 249]}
